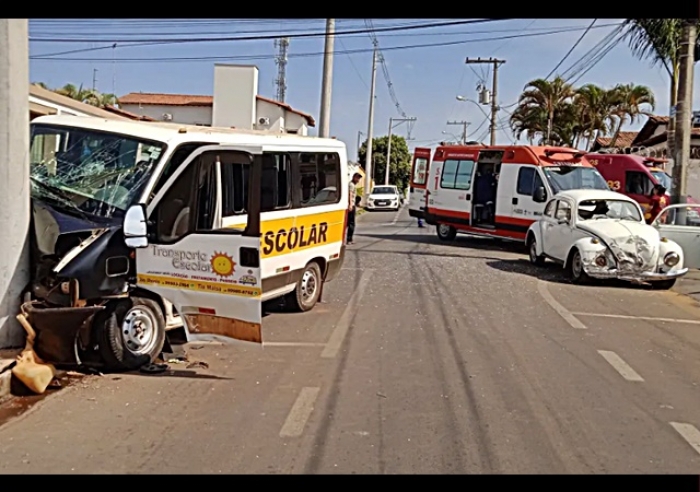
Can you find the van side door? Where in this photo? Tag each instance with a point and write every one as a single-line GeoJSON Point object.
{"type": "Point", "coordinates": [527, 206]}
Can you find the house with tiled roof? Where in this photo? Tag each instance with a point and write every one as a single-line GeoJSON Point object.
{"type": "Point", "coordinates": [235, 103]}
{"type": "Point", "coordinates": [44, 102]}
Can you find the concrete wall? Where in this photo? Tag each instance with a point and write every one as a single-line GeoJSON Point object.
{"type": "Point", "coordinates": [235, 91]}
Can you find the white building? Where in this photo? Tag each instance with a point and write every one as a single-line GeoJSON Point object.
{"type": "Point", "coordinates": [235, 104]}
{"type": "Point", "coordinates": [44, 102]}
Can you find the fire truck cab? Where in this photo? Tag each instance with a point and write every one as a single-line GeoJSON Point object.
{"type": "Point", "coordinates": [634, 176]}
{"type": "Point", "coordinates": [498, 191]}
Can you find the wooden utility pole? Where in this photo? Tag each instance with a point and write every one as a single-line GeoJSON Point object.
{"type": "Point", "coordinates": [494, 91]}
{"type": "Point", "coordinates": [684, 110]}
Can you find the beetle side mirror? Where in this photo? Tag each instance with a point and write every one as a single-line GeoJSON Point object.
{"type": "Point", "coordinates": [540, 195]}
{"type": "Point", "coordinates": [135, 227]}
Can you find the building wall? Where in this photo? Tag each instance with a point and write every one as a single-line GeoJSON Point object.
{"type": "Point", "coordinates": [188, 115]}
{"type": "Point", "coordinates": [59, 108]}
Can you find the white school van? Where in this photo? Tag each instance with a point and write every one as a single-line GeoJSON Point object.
{"type": "Point", "coordinates": [133, 218]}
{"type": "Point", "coordinates": [499, 191]}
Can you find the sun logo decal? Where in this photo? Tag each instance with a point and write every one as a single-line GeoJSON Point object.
{"type": "Point", "coordinates": [222, 264]}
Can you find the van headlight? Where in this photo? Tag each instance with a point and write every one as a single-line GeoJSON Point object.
{"type": "Point", "coordinates": [671, 259]}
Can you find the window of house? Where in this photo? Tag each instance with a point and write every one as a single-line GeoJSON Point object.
{"type": "Point", "coordinates": [638, 183]}
{"type": "Point", "coordinates": [457, 174]}
{"type": "Point", "coordinates": [319, 176]}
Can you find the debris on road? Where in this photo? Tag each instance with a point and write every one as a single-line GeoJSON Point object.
{"type": "Point", "coordinates": [33, 372]}
{"type": "Point", "coordinates": [200, 364]}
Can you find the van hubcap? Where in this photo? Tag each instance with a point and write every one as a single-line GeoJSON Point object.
{"type": "Point", "coordinates": [444, 229]}
{"type": "Point", "coordinates": [139, 330]}
{"type": "Point", "coordinates": [309, 283]}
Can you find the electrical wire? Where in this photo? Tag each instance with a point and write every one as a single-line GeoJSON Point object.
{"type": "Point", "coordinates": [385, 70]}
{"type": "Point", "coordinates": [587, 58]}
{"type": "Point", "coordinates": [53, 57]}
{"type": "Point", "coordinates": [598, 59]}
{"type": "Point", "coordinates": [271, 36]}
{"type": "Point", "coordinates": [352, 63]}
{"type": "Point", "coordinates": [571, 50]}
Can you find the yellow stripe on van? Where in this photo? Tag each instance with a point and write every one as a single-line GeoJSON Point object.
{"type": "Point", "coordinates": [292, 234]}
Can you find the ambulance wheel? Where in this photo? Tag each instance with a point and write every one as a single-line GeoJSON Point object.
{"type": "Point", "coordinates": [130, 333]}
{"type": "Point", "coordinates": [446, 232]}
{"type": "Point", "coordinates": [305, 296]}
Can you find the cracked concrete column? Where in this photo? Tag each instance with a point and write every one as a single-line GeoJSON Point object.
{"type": "Point", "coordinates": [14, 175]}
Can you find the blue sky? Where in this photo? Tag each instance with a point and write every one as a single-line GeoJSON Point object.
{"type": "Point", "coordinates": [426, 80]}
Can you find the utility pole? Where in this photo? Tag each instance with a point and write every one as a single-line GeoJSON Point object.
{"type": "Point", "coordinates": [14, 175]}
{"type": "Point", "coordinates": [388, 145]}
{"type": "Point", "coordinates": [368, 154]}
{"type": "Point", "coordinates": [94, 79]}
{"type": "Point", "coordinates": [281, 60]}
{"type": "Point", "coordinates": [681, 153]}
{"type": "Point", "coordinates": [494, 91]}
{"type": "Point", "coordinates": [327, 83]}
{"type": "Point", "coordinates": [359, 144]}
{"type": "Point", "coordinates": [464, 125]}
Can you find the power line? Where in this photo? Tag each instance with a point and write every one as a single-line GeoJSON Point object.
{"type": "Point", "coordinates": [598, 58]}
{"type": "Point", "coordinates": [591, 54]}
{"type": "Point", "coordinates": [270, 36]}
{"type": "Point", "coordinates": [571, 50]}
{"type": "Point", "coordinates": [385, 70]}
{"type": "Point", "coordinates": [352, 63]}
{"type": "Point", "coordinates": [48, 57]}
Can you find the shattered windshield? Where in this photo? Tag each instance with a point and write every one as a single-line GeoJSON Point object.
{"type": "Point", "coordinates": [574, 178]}
{"type": "Point", "coordinates": [608, 209]}
{"type": "Point", "coordinates": [89, 172]}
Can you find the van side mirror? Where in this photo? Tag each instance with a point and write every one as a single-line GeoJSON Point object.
{"type": "Point", "coordinates": [540, 195]}
{"type": "Point", "coordinates": [135, 227]}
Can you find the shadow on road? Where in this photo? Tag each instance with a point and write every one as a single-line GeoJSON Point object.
{"type": "Point", "coordinates": [460, 241]}
{"type": "Point", "coordinates": [551, 272]}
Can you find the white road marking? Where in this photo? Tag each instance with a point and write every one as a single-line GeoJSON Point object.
{"type": "Point", "coordinates": [293, 344]}
{"type": "Point", "coordinates": [620, 366]}
{"type": "Point", "coordinates": [690, 433]}
{"type": "Point", "coordinates": [338, 336]}
{"type": "Point", "coordinates": [647, 318]}
{"type": "Point", "coordinates": [300, 413]}
{"type": "Point", "coordinates": [561, 310]}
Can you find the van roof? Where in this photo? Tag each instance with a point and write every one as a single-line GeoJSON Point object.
{"type": "Point", "coordinates": [176, 133]}
{"type": "Point", "coordinates": [520, 154]}
{"type": "Point", "coordinates": [651, 163]}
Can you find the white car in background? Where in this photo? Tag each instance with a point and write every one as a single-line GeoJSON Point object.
{"type": "Point", "coordinates": [386, 197]}
{"type": "Point", "coordinates": [602, 234]}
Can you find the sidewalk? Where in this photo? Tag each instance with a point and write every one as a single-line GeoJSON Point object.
{"type": "Point", "coordinates": [7, 357]}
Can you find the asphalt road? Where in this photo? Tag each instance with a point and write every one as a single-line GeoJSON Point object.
{"type": "Point", "coordinates": [425, 357]}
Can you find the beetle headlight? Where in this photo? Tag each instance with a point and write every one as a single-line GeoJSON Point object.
{"type": "Point", "coordinates": [601, 261]}
{"type": "Point", "coordinates": [671, 259]}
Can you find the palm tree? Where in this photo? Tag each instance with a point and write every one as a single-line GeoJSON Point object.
{"type": "Point", "coordinates": [595, 107]}
{"type": "Point", "coordinates": [87, 96]}
{"type": "Point", "coordinates": [629, 100]}
{"type": "Point", "coordinates": [551, 96]}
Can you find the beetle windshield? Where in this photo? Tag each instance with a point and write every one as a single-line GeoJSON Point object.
{"type": "Point", "coordinates": [608, 209]}
{"type": "Point", "coordinates": [89, 172]}
{"type": "Point", "coordinates": [574, 178]}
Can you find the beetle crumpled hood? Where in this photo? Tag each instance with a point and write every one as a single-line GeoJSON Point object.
{"type": "Point", "coordinates": [634, 244]}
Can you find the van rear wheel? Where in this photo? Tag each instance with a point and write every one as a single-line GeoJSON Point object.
{"type": "Point", "coordinates": [446, 232]}
{"type": "Point", "coordinates": [305, 296]}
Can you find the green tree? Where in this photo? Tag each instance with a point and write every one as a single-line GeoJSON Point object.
{"type": "Point", "coordinates": [400, 160]}
{"type": "Point", "coordinates": [87, 96]}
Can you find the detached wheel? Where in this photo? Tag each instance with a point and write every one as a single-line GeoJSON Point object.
{"type": "Point", "coordinates": [576, 273]}
{"type": "Point", "coordinates": [130, 333]}
{"type": "Point", "coordinates": [305, 296]}
{"type": "Point", "coordinates": [663, 284]}
{"type": "Point", "coordinates": [535, 259]}
{"type": "Point", "coordinates": [446, 232]}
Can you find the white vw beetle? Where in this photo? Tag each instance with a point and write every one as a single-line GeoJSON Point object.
{"type": "Point", "coordinates": [602, 234]}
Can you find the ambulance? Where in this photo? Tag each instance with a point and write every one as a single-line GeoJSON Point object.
{"type": "Point", "coordinates": [498, 191]}
{"type": "Point", "coordinates": [419, 178]}
{"type": "Point", "coordinates": [139, 227]}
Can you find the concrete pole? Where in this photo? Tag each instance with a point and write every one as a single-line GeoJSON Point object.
{"type": "Point", "coordinates": [327, 83]}
{"type": "Point", "coordinates": [494, 103]}
{"type": "Point", "coordinates": [14, 175]}
{"type": "Point", "coordinates": [368, 154]}
{"type": "Point", "coordinates": [388, 153]}
{"type": "Point", "coordinates": [681, 154]}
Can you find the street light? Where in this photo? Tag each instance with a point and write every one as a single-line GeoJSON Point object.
{"type": "Point", "coordinates": [451, 135]}
{"type": "Point", "coordinates": [464, 99]}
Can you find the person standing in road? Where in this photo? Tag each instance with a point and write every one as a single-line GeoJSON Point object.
{"type": "Point", "coordinates": [352, 205]}
{"type": "Point", "coordinates": [658, 202]}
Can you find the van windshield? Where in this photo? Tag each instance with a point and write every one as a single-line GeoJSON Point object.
{"type": "Point", "coordinates": [663, 179]}
{"type": "Point", "coordinates": [563, 178]}
{"type": "Point", "coordinates": [89, 172]}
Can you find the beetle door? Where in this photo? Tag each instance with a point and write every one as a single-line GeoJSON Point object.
{"type": "Point", "coordinates": [681, 223]}
{"type": "Point", "coordinates": [210, 274]}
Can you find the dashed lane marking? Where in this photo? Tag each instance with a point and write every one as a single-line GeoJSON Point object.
{"type": "Point", "coordinates": [621, 366]}
{"type": "Point", "coordinates": [300, 413]}
{"type": "Point", "coordinates": [690, 433]}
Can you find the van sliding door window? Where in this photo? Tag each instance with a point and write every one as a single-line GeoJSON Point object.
{"type": "Point", "coordinates": [457, 174]}
{"type": "Point", "coordinates": [319, 178]}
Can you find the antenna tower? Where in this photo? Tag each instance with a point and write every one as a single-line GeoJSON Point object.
{"type": "Point", "coordinates": [282, 44]}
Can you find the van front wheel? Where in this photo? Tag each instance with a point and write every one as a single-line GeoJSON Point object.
{"type": "Point", "coordinates": [446, 232]}
{"type": "Point", "coordinates": [305, 296]}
